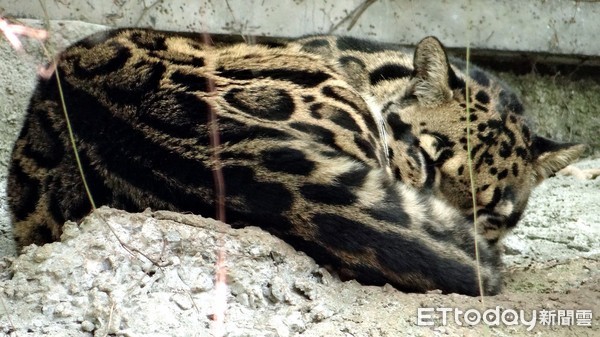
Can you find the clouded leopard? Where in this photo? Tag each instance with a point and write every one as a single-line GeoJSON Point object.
{"type": "Point", "coordinates": [351, 151]}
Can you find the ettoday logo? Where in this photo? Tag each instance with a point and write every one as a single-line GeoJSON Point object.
{"type": "Point", "coordinates": [500, 316]}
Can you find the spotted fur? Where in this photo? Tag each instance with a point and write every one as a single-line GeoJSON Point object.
{"type": "Point", "coordinates": [351, 151]}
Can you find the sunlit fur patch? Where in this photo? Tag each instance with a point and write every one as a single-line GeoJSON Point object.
{"type": "Point", "coordinates": [328, 173]}
{"type": "Point", "coordinates": [413, 203]}
{"type": "Point", "coordinates": [372, 191]}
{"type": "Point", "coordinates": [375, 109]}
{"type": "Point", "coordinates": [504, 207]}
{"type": "Point", "coordinates": [429, 144]}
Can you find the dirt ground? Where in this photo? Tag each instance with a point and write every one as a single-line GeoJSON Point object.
{"type": "Point", "coordinates": [153, 274]}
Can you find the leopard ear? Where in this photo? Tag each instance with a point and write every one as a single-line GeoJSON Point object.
{"type": "Point", "coordinates": [431, 77]}
{"type": "Point", "coordinates": [550, 157]}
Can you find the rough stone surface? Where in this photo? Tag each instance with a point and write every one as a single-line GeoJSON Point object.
{"type": "Point", "coordinates": [160, 280]}
{"type": "Point", "coordinates": [561, 108]}
{"type": "Point", "coordinates": [154, 274]}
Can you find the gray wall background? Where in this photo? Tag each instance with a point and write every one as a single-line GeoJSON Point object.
{"type": "Point", "coordinates": [550, 26]}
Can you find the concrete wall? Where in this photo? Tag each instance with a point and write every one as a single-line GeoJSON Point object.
{"type": "Point", "coordinates": [550, 26]}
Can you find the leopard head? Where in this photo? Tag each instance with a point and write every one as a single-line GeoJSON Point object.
{"type": "Point", "coordinates": [507, 159]}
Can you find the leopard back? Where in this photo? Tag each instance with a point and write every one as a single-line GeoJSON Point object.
{"type": "Point", "coordinates": [350, 157]}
